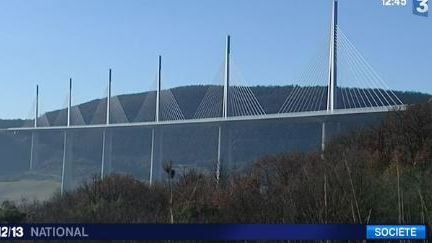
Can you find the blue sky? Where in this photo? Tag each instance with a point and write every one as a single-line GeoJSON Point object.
{"type": "Point", "coordinates": [48, 41]}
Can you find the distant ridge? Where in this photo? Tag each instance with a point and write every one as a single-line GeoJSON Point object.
{"type": "Point", "coordinates": [189, 97]}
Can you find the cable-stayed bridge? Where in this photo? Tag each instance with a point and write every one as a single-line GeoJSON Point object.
{"type": "Point", "coordinates": [340, 82]}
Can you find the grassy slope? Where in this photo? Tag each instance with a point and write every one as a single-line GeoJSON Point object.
{"type": "Point", "coordinates": [28, 189]}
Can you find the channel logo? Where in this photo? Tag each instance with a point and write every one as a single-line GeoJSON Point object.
{"type": "Point", "coordinates": [421, 7]}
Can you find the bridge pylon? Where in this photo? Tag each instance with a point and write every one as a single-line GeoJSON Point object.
{"type": "Point", "coordinates": [34, 147]}
{"type": "Point", "coordinates": [332, 71]}
{"type": "Point", "coordinates": [332, 65]}
{"type": "Point", "coordinates": [156, 136]}
{"type": "Point", "coordinates": [107, 136]}
{"type": "Point", "coordinates": [223, 135]}
{"type": "Point", "coordinates": [225, 107]}
{"type": "Point", "coordinates": [67, 148]}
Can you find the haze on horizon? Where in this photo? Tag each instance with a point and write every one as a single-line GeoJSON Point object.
{"type": "Point", "coordinates": [48, 41]}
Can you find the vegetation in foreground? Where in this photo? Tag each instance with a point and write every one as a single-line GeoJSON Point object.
{"type": "Point", "coordinates": [380, 175]}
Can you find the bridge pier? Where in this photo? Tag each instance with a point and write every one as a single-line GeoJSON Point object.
{"type": "Point", "coordinates": [152, 152]}
{"type": "Point", "coordinates": [156, 155]}
{"type": "Point", "coordinates": [219, 154]}
{"type": "Point", "coordinates": [224, 152]}
{"type": "Point", "coordinates": [34, 150]}
{"type": "Point", "coordinates": [159, 160]}
{"type": "Point", "coordinates": [229, 148]}
{"type": "Point", "coordinates": [328, 131]}
{"type": "Point", "coordinates": [66, 184]}
{"type": "Point", "coordinates": [106, 165]}
{"type": "Point", "coordinates": [323, 136]}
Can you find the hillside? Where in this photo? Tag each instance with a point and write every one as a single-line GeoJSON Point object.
{"type": "Point", "coordinates": [188, 146]}
{"type": "Point", "coordinates": [271, 99]}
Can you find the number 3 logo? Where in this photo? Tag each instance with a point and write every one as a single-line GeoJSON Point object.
{"type": "Point", "coordinates": [421, 7]}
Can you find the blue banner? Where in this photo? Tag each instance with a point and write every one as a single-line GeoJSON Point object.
{"type": "Point", "coordinates": [193, 232]}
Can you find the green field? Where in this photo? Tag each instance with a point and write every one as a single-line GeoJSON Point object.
{"type": "Point", "coordinates": [28, 189]}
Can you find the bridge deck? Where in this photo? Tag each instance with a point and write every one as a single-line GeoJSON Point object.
{"type": "Point", "coordinates": [218, 120]}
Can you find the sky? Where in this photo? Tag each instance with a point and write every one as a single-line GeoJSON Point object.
{"type": "Point", "coordinates": [46, 42]}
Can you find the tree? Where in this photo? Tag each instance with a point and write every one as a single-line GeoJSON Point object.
{"type": "Point", "coordinates": [10, 214]}
{"type": "Point", "coordinates": [168, 168]}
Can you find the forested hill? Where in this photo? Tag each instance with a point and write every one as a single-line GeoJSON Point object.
{"type": "Point", "coordinates": [187, 146]}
